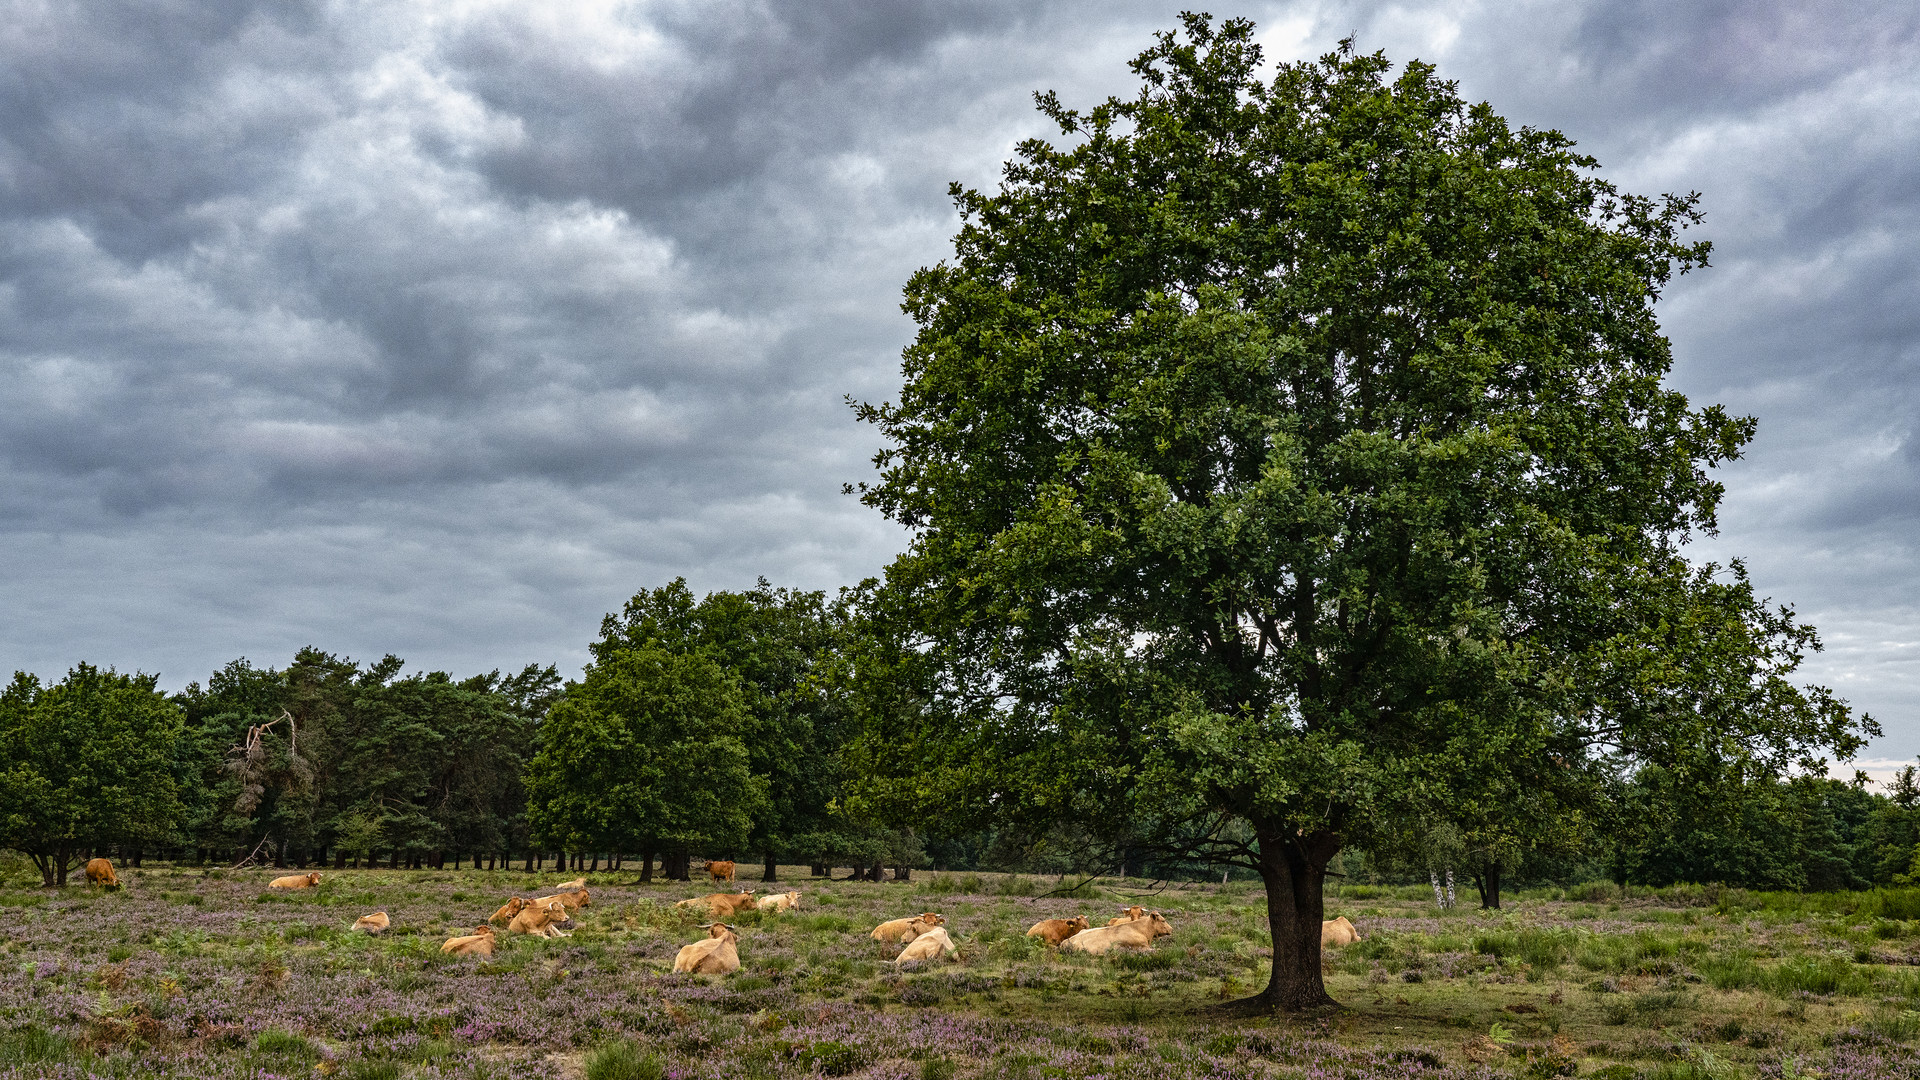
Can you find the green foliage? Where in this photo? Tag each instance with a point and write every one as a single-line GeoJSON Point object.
{"type": "Point", "coordinates": [623, 1061]}
{"type": "Point", "coordinates": [646, 754]}
{"type": "Point", "coordinates": [358, 757]}
{"type": "Point", "coordinates": [85, 762]}
{"type": "Point", "coordinates": [284, 1044]}
{"type": "Point", "coordinates": [34, 1045]}
{"type": "Point", "coordinates": [1289, 466]}
{"type": "Point", "coordinates": [827, 1058]}
{"type": "Point", "coordinates": [781, 647]}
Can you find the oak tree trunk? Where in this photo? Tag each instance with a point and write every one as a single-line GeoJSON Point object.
{"type": "Point", "coordinates": [771, 872]}
{"type": "Point", "coordinates": [1490, 887]}
{"type": "Point", "coordinates": [1294, 868]}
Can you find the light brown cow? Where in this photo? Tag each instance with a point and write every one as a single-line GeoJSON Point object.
{"type": "Point", "coordinates": [905, 929]}
{"type": "Point", "coordinates": [717, 955]}
{"type": "Point", "coordinates": [295, 881]}
{"type": "Point", "coordinates": [509, 909]}
{"type": "Point", "coordinates": [572, 901]}
{"type": "Point", "coordinates": [541, 920]}
{"type": "Point", "coordinates": [927, 946]}
{"type": "Point", "coordinates": [1055, 931]}
{"type": "Point", "coordinates": [478, 943]}
{"type": "Point", "coordinates": [720, 904]}
{"type": "Point", "coordinates": [720, 870]}
{"type": "Point", "coordinates": [1132, 913]}
{"type": "Point", "coordinates": [576, 883]}
{"type": "Point", "coordinates": [376, 923]}
{"type": "Point", "coordinates": [1135, 934]}
{"type": "Point", "coordinates": [100, 872]}
{"type": "Point", "coordinates": [779, 902]}
{"type": "Point", "coordinates": [1338, 932]}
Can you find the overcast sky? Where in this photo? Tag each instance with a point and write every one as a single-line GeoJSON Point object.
{"type": "Point", "coordinates": [440, 329]}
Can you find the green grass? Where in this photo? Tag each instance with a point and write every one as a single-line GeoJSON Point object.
{"type": "Point", "coordinates": [623, 1061]}
{"type": "Point", "coordinates": [1625, 979]}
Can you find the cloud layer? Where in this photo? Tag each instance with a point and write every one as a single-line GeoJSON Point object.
{"type": "Point", "coordinates": [441, 329]}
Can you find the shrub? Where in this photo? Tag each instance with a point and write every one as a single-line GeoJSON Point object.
{"type": "Point", "coordinates": [623, 1061]}
{"type": "Point", "coordinates": [285, 1044]}
{"type": "Point", "coordinates": [830, 1059]}
{"type": "Point", "coordinates": [33, 1045]}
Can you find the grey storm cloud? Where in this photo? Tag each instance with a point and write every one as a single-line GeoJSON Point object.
{"type": "Point", "coordinates": [440, 329]}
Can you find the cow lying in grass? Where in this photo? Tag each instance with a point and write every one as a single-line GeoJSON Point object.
{"type": "Point", "coordinates": [720, 904]}
{"type": "Point", "coordinates": [508, 910]}
{"type": "Point", "coordinates": [1133, 934]}
{"type": "Point", "coordinates": [1338, 932]}
{"type": "Point", "coordinates": [1131, 913]}
{"type": "Point", "coordinates": [572, 901]}
{"type": "Point", "coordinates": [1055, 931]}
{"type": "Point", "coordinates": [906, 929]}
{"type": "Point", "coordinates": [717, 955]}
{"type": "Point", "coordinates": [295, 881]}
{"type": "Point", "coordinates": [478, 943]}
{"type": "Point", "coordinates": [541, 919]}
{"type": "Point", "coordinates": [927, 946]}
{"type": "Point", "coordinates": [779, 902]}
{"type": "Point", "coordinates": [376, 923]}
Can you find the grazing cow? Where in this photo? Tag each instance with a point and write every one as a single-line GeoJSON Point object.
{"type": "Point", "coordinates": [100, 872]}
{"type": "Point", "coordinates": [295, 881]}
{"type": "Point", "coordinates": [927, 946]}
{"type": "Point", "coordinates": [720, 871]}
{"type": "Point", "coordinates": [1055, 931]}
{"type": "Point", "coordinates": [779, 902]}
{"type": "Point", "coordinates": [1132, 913]}
{"type": "Point", "coordinates": [509, 909]}
{"type": "Point", "coordinates": [1338, 932]}
{"type": "Point", "coordinates": [1135, 934]}
{"type": "Point", "coordinates": [478, 943]}
{"type": "Point", "coordinates": [573, 901]}
{"type": "Point", "coordinates": [375, 923]}
{"type": "Point", "coordinates": [720, 904]}
{"type": "Point", "coordinates": [905, 929]}
{"type": "Point", "coordinates": [717, 955]}
{"type": "Point", "coordinates": [541, 920]}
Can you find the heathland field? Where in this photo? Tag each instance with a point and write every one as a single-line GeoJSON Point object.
{"type": "Point", "coordinates": [185, 973]}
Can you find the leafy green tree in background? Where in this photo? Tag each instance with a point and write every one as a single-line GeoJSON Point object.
{"type": "Point", "coordinates": [779, 644]}
{"type": "Point", "coordinates": [645, 754]}
{"type": "Point", "coordinates": [1288, 458]}
{"type": "Point", "coordinates": [84, 763]}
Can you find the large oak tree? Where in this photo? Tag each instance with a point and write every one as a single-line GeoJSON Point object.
{"type": "Point", "coordinates": [1287, 456]}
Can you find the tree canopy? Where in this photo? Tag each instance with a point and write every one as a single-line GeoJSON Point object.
{"type": "Point", "coordinates": [1288, 458]}
{"type": "Point", "coordinates": [646, 754]}
{"type": "Point", "coordinates": [85, 762]}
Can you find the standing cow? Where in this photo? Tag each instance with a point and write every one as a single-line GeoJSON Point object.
{"type": "Point", "coordinates": [721, 871]}
{"type": "Point", "coordinates": [100, 872]}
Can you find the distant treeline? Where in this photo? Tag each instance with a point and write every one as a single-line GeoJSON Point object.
{"type": "Point", "coordinates": [1807, 834]}
{"type": "Point", "coordinates": [702, 727]}
{"type": "Point", "coordinates": [722, 727]}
